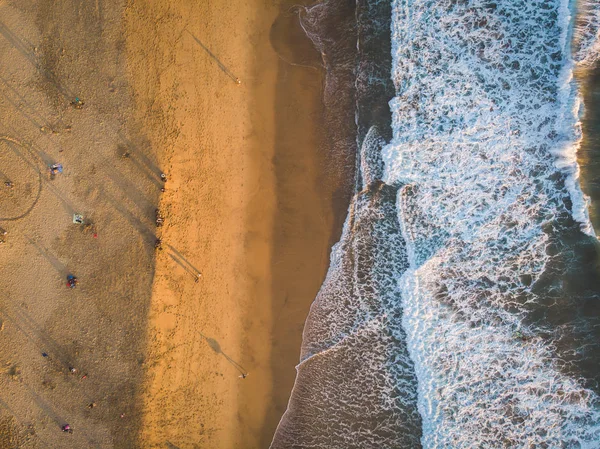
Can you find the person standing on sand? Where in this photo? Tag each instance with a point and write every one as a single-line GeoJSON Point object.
{"type": "Point", "coordinates": [71, 281]}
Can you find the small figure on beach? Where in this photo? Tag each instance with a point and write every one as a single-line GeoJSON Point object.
{"type": "Point", "coordinates": [9, 184]}
{"type": "Point", "coordinates": [72, 370]}
{"type": "Point", "coordinates": [159, 219]}
{"type": "Point", "coordinates": [67, 428]}
{"type": "Point", "coordinates": [238, 81]}
{"type": "Point", "coordinates": [158, 244]}
{"type": "Point", "coordinates": [243, 375]}
{"type": "Point", "coordinates": [92, 405]}
{"type": "Point", "coordinates": [3, 231]}
{"type": "Point", "coordinates": [78, 103]}
{"type": "Point", "coordinates": [55, 169]}
{"type": "Point", "coordinates": [71, 281]}
{"type": "Point", "coordinates": [163, 177]}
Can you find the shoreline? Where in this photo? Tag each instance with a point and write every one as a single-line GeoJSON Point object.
{"type": "Point", "coordinates": [588, 154]}
{"type": "Point", "coordinates": [248, 204]}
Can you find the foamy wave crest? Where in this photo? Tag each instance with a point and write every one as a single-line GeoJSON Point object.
{"type": "Point", "coordinates": [485, 133]}
{"type": "Point", "coordinates": [356, 385]}
{"type": "Point", "coordinates": [484, 384]}
{"type": "Point", "coordinates": [586, 39]}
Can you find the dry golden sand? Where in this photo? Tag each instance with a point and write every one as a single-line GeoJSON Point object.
{"type": "Point", "coordinates": [248, 204]}
{"type": "Point", "coordinates": [216, 150]}
{"type": "Point", "coordinates": [52, 51]}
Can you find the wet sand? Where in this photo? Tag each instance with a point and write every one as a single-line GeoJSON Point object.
{"type": "Point", "coordinates": [249, 205]}
{"type": "Point", "coordinates": [589, 151]}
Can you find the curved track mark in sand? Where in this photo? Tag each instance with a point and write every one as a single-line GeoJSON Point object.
{"type": "Point", "coordinates": [39, 192]}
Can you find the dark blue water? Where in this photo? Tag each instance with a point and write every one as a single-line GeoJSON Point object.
{"type": "Point", "coordinates": [461, 308]}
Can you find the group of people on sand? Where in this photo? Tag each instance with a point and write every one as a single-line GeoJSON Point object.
{"type": "Point", "coordinates": [72, 281]}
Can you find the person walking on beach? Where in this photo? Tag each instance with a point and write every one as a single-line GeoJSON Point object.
{"type": "Point", "coordinates": [71, 281]}
{"type": "Point", "coordinates": [78, 103]}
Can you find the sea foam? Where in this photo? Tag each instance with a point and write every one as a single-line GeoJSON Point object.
{"type": "Point", "coordinates": [485, 136]}
{"type": "Point", "coordinates": [586, 39]}
{"type": "Point", "coordinates": [356, 385]}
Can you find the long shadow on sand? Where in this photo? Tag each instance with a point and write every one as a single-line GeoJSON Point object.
{"type": "Point", "coordinates": [215, 346]}
{"type": "Point", "coordinates": [144, 164]}
{"type": "Point", "coordinates": [33, 332]}
{"type": "Point", "coordinates": [171, 445]}
{"type": "Point", "coordinates": [26, 49]}
{"type": "Point", "coordinates": [22, 422]}
{"type": "Point", "coordinates": [184, 263]}
{"type": "Point", "coordinates": [145, 230]}
{"type": "Point", "coordinates": [60, 267]}
{"type": "Point", "coordinates": [222, 66]}
{"type": "Point", "coordinates": [51, 413]}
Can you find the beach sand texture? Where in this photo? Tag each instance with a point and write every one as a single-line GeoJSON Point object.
{"type": "Point", "coordinates": [587, 156]}
{"type": "Point", "coordinates": [248, 205]}
{"type": "Point", "coordinates": [53, 52]}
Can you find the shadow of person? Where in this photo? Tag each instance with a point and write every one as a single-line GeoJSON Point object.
{"type": "Point", "coordinates": [171, 445]}
{"type": "Point", "coordinates": [222, 66]}
{"type": "Point", "coordinates": [214, 345]}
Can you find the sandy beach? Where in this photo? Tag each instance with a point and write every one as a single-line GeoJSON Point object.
{"type": "Point", "coordinates": [587, 156]}
{"type": "Point", "coordinates": [248, 207]}
{"type": "Point", "coordinates": [71, 356]}
{"type": "Point", "coordinates": [147, 351]}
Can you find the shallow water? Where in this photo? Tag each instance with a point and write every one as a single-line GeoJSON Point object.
{"type": "Point", "coordinates": [465, 285]}
{"type": "Point", "coordinates": [589, 152]}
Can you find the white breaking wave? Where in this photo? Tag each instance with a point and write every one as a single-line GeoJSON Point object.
{"type": "Point", "coordinates": [587, 32]}
{"type": "Point", "coordinates": [486, 128]}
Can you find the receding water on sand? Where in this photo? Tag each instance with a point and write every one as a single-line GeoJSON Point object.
{"type": "Point", "coordinates": [465, 288]}
{"type": "Point", "coordinates": [355, 384]}
{"type": "Point", "coordinates": [589, 152]}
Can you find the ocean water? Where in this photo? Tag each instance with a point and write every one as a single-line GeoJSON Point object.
{"type": "Point", "coordinates": [462, 304]}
